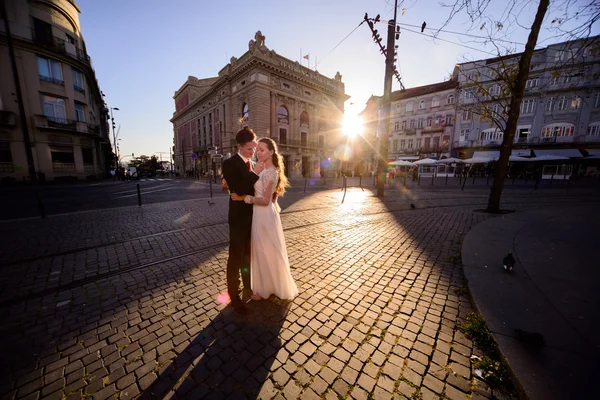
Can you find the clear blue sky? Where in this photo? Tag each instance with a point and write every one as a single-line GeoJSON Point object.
{"type": "Point", "coordinates": [144, 50]}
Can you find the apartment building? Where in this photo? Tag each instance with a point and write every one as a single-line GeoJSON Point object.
{"type": "Point", "coordinates": [57, 128]}
{"type": "Point", "coordinates": [297, 107]}
{"type": "Point", "coordinates": [560, 111]}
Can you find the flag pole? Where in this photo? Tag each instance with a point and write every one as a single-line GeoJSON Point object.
{"type": "Point", "coordinates": [300, 55]}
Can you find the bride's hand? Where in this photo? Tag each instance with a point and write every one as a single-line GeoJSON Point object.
{"type": "Point", "coordinates": [237, 197]}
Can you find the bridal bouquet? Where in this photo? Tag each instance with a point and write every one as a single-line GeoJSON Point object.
{"type": "Point", "coordinates": [225, 187]}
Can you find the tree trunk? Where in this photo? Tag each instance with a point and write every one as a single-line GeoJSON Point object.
{"type": "Point", "coordinates": [514, 110]}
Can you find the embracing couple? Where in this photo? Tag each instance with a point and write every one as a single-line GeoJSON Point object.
{"type": "Point", "coordinates": [256, 241]}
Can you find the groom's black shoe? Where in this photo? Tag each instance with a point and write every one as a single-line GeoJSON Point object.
{"type": "Point", "coordinates": [246, 294]}
{"type": "Point", "coordinates": [239, 307]}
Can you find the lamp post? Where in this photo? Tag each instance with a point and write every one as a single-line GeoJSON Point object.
{"type": "Point", "coordinates": [112, 119]}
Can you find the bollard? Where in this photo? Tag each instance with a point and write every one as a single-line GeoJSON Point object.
{"type": "Point", "coordinates": [419, 181]}
{"type": "Point", "coordinates": [446, 180]}
{"type": "Point", "coordinates": [463, 184]}
{"type": "Point", "coordinates": [360, 181]}
{"type": "Point", "coordinates": [210, 187]}
{"type": "Point", "coordinates": [432, 177]}
{"type": "Point", "coordinates": [473, 179]}
{"type": "Point", "coordinates": [40, 204]}
{"type": "Point", "coordinates": [304, 184]}
{"type": "Point", "coordinates": [514, 177]}
{"type": "Point", "coordinates": [139, 195]}
{"type": "Point", "coordinates": [551, 179]}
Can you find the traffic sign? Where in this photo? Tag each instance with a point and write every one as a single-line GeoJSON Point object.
{"type": "Point", "coordinates": [194, 155]}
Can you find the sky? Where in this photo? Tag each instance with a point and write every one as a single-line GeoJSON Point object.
{"type": "Point", "coordinates": [144, 50]}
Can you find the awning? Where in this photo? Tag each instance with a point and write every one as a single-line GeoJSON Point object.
{"type": "Point", "coordinates": [409, 158]}
{"type": "Point", "coordinates": [571, 153]}
{"type": "Point", "coordinates": [492, 155]}
{"type": "Point", "coordinates": [593, 152]}
{"type": "Point", "coordinates": [521, 152]}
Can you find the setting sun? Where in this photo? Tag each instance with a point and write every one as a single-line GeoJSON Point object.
{"type": "Point", "coordinates": [352, 125]}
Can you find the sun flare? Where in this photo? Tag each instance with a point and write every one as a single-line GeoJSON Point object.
{"type": "Point", "coordinates": [352, 125]}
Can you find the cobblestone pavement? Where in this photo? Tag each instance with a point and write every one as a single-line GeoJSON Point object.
{"type": "Point", "coordinates": [124, 303]}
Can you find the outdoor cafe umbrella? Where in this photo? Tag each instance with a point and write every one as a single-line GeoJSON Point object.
{"type": "Point", "coordinates": [426, 161]}
{"type": "Point", "coordinates": [478, 160]}
{"type": "Point", "coordinates": [401, 163]}
{"type": "Point", "coordinates": [518, 158]}
{"type": "Point", "coordinates": [451, 160]}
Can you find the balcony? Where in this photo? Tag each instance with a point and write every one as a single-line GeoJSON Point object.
{"type": "Point", "coordinates": [6, 167]}
{"type": "Point", "coordinates": [44, 122]}
{"type": "Point", "coordinates": [409, 132]}
{"type": "Point", "coordinates": [491, 143]}
{"type": "Point", "coordinates": [7, 119]}
{"type": "Point", "coordinates": [63, 167]}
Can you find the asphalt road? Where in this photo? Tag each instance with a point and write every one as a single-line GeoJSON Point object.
{"type": "Point", "coordinates": [22, 202]}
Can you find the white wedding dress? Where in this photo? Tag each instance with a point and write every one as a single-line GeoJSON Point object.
{"type": "Point", "coordinates": [269, 267]}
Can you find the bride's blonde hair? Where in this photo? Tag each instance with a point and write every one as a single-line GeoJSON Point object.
{"type": "Point", "coordinates": [277, 159]}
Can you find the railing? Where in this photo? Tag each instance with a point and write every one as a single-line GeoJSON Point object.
{"type": "Point", "coordinates": [42, 121]}
{"type": "Point", "coordinates": [94, 129]}
{"type": "Point", "coordinates": [551, 139]}
{"type": "Point", "coordinates": [7, 119]}
{"type": "Point", "coordinates": [6, 167]}
{"type": "Point", "coordinates": [55, 44]}
{"type": "Point", "coordinates": [79, 89]}
{"type": "Point", "coordinates": [521, 140]}
{"type": "Point", "coordinates": [89, 168]}
{"type": "Point", "coordinates": [63, 167]}
{"type": "Point", "coordinates": [51, 80]}
{"type": "Point", "coordinates": [410, 131]}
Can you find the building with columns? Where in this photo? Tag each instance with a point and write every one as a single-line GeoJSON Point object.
{"type": "Point", "coordinates": [53, 123]}
{"type": "Point", "coordinates": [297, 107]}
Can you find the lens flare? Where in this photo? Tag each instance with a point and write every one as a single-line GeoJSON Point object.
{"type": "Point", "coordinates": [223, 298]}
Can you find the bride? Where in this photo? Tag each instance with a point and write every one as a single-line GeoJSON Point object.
{"type": "Point", "coordinates": [270, 268]}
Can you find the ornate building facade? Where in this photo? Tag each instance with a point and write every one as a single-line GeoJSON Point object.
{"type": "Point", "coordinates": [297, 107]}
{"type": "Point", "coordinates": [53, 122]}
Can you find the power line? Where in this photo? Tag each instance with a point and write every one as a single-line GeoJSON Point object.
{"type": "Point", "coordinates": [449, 41]}
{"type": "Point", "coordinates": [336, 46]}
{"type": "Point", "coordinates": [465, 34]}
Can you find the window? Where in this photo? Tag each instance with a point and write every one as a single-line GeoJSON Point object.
{"type": "Point", "coordinates": [412, 124]}
{"type": "Point", "coordinates": [469, 94]}
{"type": "Point", "coordinates": [283, 115]}
{"type": "Point", "coordinates": [466, 115]}
{"type": "Point", "coordinates": [321, 141]}
{"type": "Point", "coordinates": [397, 125]}
{"type": "Point", "coordinates": [394, 145]}
{"type": "Point", "coordinates": [450, 99]}
{"type": "Point", "coordinates": [78, 81]}
{"type": "Point", "coordinates": [555, 79]}
{"type": "Point", "coordinates": [42, 31]}
{"type": "Point", "coordinates": [79, 111]}
{"type": "Point", "coordinates": [448, 120]}
{"type": "Point", "coordinates": [404, 125]}
{"type": "Point", "coordinates": [283, 136]}
{"type": "Point", "coordinates": [435, 102]}
{"type": "Point", "coordinates": [50, 70]}
{"type": "Point", "coordinates": [494, 90]}
{"type": "Point", "coordinates": [62, 155]}
{"type": "Point", "coordinates": [87, 154]}
{"type": "Point", "coordinates": [496, 109]}
{"type": "Point", "coordinates": [464, 135]}
{"type": "Point", "coordinates": [527, 106]}
{"type": "Point", "coordinates": [304, 119]}
{"type": "Point", "coordinates": [5, 153]}
{"type": "Point", "coordinates": [70, 39]}
{"type": "Point", "coordinates": [409, 107]}
{"type": "Point", "coordinates": [531, 83]}
{"type": "Point", "coordinates": [576, 103]}
{"type": "Point", "coordinates": [410, 144]}
{"type": "Point", "coordinates": [558, 130]}
{"type": "Point", "coordinates": [418, 143]}
{"type": "Point", "coordinates": [402, 144]}
{"type": "Point", "coordinates": [54, 109]}
{"type": "Point", "coordinates": [492, 135]}
{"type": "Point", "coordinates": [420, 124]}
{"type": "Point", "coordinates": [550, 103]}
{"type": "Point", "coordinates": [593, 130]}
{"type": "Point", "coordinates": [562, 103]}
{"type": "Point", "coordinates": [429, 121]}
{"type": "Point", "coordinates": [244, 113]}
{"type": "Point", "coordinates": [422, 105]}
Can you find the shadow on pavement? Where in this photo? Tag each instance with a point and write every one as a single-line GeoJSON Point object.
{"type": "Point", "coordinates": [231, 355]}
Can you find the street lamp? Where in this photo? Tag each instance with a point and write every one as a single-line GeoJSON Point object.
{"type": "Point", "coordinates": [112, 119]}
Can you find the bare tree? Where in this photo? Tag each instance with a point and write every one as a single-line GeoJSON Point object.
{"type": "Point", "coordinates": [501, 103]}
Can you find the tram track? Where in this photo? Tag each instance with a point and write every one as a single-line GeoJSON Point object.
{"type": "Point", "coordinates": [132, 267]}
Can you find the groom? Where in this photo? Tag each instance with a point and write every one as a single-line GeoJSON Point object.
{"type": "Point", "coordinates": [240, 174]}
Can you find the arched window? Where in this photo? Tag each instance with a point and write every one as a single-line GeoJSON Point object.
{"type": "Point", "coordinates": [558, 130]}
{"type": "Point", "coordinates": [304, 122]}
{"type": "Point", "coordinates": [435, 102]}
{"type": "Point", "coordinates": [409, 107]}
{"type": "Point", "coordinates": [245, 113]}
{"type": "Point", "coordinates": [422, 105]}
{"type": "Point", "coordinates": [594, 129]}
{"type": "Point", "coordinates": [450, 99]}
{"type": "Point", "coordinates": [283, 117]}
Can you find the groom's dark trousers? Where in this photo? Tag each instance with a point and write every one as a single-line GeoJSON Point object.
{"type": "Point", "coordinates": [241, 181]}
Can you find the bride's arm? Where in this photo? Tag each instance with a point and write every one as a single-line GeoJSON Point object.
{"type": "Point", "coordinates": [260, 201]}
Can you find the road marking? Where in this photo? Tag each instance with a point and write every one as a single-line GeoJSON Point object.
{"type": "Point", "coordinates": [144, 192]}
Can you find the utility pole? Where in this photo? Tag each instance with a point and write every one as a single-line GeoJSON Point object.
{"type": "Point", "coordinates": [384, 136]}
{"type": "Point", "coordinates": [23, 118]}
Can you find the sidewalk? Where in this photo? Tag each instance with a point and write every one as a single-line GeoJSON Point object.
{"type": "Point", "coordinates": [554, 290]}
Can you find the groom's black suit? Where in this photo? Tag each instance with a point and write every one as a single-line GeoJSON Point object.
{"type": "Point", "coordinates": [241, 181]}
